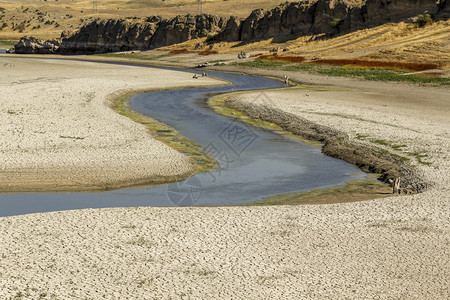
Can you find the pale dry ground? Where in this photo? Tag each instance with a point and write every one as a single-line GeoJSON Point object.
{"type": "Point", "coordinates": [58, 132]}
{"type": "Point", "coordinates": [392, 248]}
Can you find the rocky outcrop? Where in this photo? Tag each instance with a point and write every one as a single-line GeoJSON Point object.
{"type": "Point", "coordinates": [122, 35]}
{"type": "Point", "coordinates": [109, 36]}
{"type": "Point", "coordinates": [231, 30]}
{"type": "Point", "coordinates": [383, 11]}
{"type": "Point", "coordinates": [183, 28]}
{"type": "Point", "coordinates": [284, 20]}
{"type": "Point", "coordinates": [329, 17]}
{"type": "Point", "coordinates": [443, 9]}
{"type": "Point", "coordinates": [31, 45]}
{"type": "Point", "coordinates": [289, 20]}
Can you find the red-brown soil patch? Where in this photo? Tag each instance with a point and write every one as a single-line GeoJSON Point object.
{"type": "Point", "coordinates": [276, 57]}
{"type": "Point", "coordinates": [208, 52]}
{"type": "Point", "coordinates": [377, 64]}
{"type": "Point", "coordinates": [181, 51]}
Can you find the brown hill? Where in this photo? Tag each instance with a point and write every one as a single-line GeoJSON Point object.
{"type": "Point", "coordinates": [289, 20]}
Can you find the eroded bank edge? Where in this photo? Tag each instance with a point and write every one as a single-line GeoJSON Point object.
{"type": "Point", "coordinates": [386, 166]}
{"type": "Point", "coordinates": [120, 102]}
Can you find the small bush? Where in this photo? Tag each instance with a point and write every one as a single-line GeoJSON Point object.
{"type": "Point", "coordinates": [21, 27]}
{"type": "Point", "coordinates": [423, 20]}
{"type": "Point", "coordinates": [336, 23]}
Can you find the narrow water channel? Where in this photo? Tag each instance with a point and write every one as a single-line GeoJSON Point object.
{"type": "Point", "coordinates": [255, 162]}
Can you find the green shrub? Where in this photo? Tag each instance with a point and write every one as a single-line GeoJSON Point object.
{"type": "Point", "coordinates": [21, 27]}
{"type": "Point", "coordinates": [336, 23]}
{"type": "Point", "coordinates": [423, 20]}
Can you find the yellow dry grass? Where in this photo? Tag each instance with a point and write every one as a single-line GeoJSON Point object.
{"type": "Point", "coordinates": [72, 14]}
{"type": "Point", "coordinates": [402, 42]}
{"type": "Point", "coordinates": [399, 41]}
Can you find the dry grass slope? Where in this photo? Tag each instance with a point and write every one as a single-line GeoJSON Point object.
{"type": "Point", "coordinates": [47, 18]}
{"type": "Point", "coordinates": [403, 42]}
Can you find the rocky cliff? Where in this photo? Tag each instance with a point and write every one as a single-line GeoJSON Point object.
{"type": "Point", "coordinates": [109, 36]}
{"type": "Point", "coordinates": [184, 28]}
{"type": "Point", "coordinates": [330, 17]}
{"type": "Point", "coordinates": [31, 45]}
{"type": "Point", "coordinates": [121, 35]}
{"type": "Point", "coordinates": [287, 20]}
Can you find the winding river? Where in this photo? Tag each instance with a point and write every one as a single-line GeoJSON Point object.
{"type": "Point", "coordinates": [255, 162]}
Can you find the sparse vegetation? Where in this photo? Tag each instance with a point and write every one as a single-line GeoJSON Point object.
{"type": "Point", "coordinates": [7, 43]}
{"type": "Point", "coordinates": [166, 134]}
{"type": "Point", "coordinates": [420, 157]}
{"type": "Point", "coordinates": [381, 142]}
{"type": "Point", "coordinates": [356, 190]}
{"type": "Point", "coordinates": [19, 295]}
{"type": "Point", "coordinates": [20, 27]}
{"type": "Point", "coordinates": [71, 137]}
{"type": "Point", "coordinates": [142, 242]}
{"type": "Point", "coordinates": [423, 20]}
{"type": "Point", "coordinates": [131, 56]}
{"type": "Point", "coordinates": [398, 147]}
{"type": "Point", "coordinates": [366, 73]}
{"type": "Point", "coordinates": [361, 136]}
{"type": "Point", "coordinates": [336, 23]}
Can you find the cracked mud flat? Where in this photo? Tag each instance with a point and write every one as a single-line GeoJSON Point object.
{"type": "Point", "coordinates": [391, 248]}
{"type": "Point", "coordinates": [58, 132]}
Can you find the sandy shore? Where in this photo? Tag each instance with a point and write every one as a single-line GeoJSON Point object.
{"type": "Point", "coordinates": [412, 127]}
{"type": "Point", "coordinates": [58, 132]}
{"type": "Point", "coordinates": [391, 248]}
